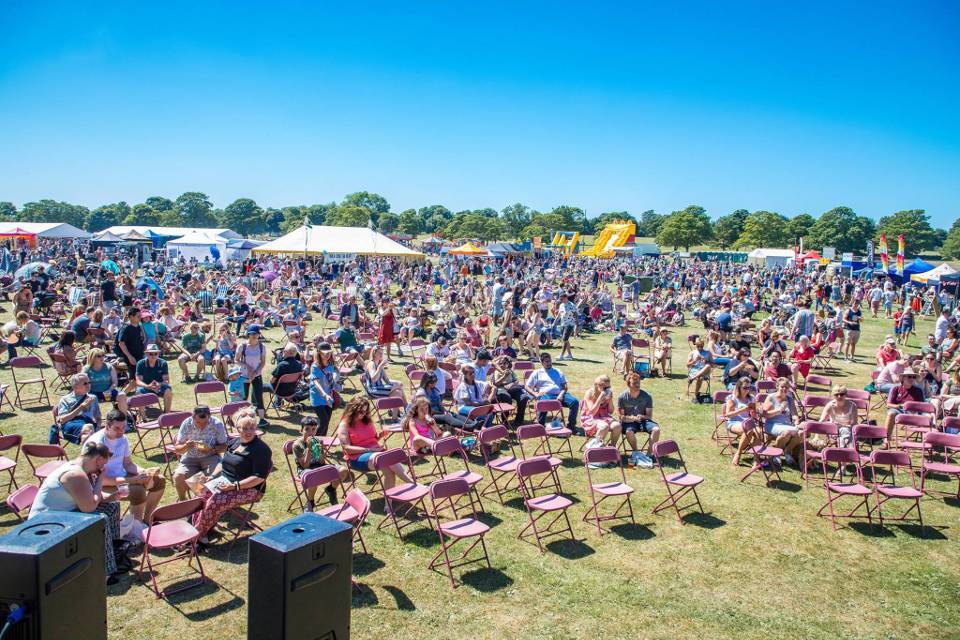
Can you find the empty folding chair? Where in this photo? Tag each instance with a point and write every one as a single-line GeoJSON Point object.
{"type": "Point", "coordinates": [883, 473]}
{"type": "Point", "coordinates": [679, 483]}
{"type": "Point", "coordinates": [828, 431]}
{"type": "Point", "coordinates": [54, 455]}
{"type": "Point", "coordinates": [31, 374]}
{"type": "Point", "coordinates": [169, 527]}
{"type": "Point", "coordinates": [534, 443]}
{"type": "Point", "coordinates": [403, 499]}
{"type": "Point", "coordinates": [618, 489]}
{"type": "Point", "coordinates": [766, 457]}
{"type": "Point", "coordinates": [227, 412]}
{"type": "Point", "coordinates": [941, 457]}
{"type": "Point", "coordinates": [449, 494]}
{"type": "Point", "coordinates": [444, 450]}
{"type": "Point", "coordinates": [502, 465]}
{"type": "Point", "coordinates": [5, 399]}
{"type": "Point", "coordinates": [388, 412]}
{"type": "Point", "coordinates": [298, 497]}
{"type": "Point", "coordinates": [813, 406]}
{"type": "Point", "coordinates": [720, 434]}
{"type": "Point", "coordinates": [815, 383]}
{"type": "Point", "coordinates": [213, 388]}
{"type": "Point", "coordinates": [836, 489]}
{"type": "Point", "coordinates": [909, 430]}
{"type": "Point", "coordinates": [20, 501]}
{"type": "Point", "coordinates": [555, 424]}
{"type": "Point", "coordinates": [543, 497]}
{"type": "Point", "coordinates": [8, 443]}
{"type": "Point", "coordinates": [868, 438]}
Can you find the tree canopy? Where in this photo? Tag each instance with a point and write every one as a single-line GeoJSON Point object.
{"type": "Point", "coordinates": [913, 224]}
{"type": "Point", "coordinates": [686, 228]}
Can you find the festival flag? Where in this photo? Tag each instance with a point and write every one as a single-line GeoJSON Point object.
{"type": "Point", "coordinates": [884, 256]}
{"type": "Point", "coordinates": [900, 255]}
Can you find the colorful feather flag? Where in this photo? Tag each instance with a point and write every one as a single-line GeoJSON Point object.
{"type": "Point", "coordinates": [900, 252]}
{"type": "Point", "coordinates": [884, 256]}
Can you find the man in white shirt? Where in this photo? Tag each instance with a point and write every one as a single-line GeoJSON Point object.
{"type": "Point", "coordinates": [547, 383]}
{"type": "Point", "coordinates": [472, 393]}
{"type": "Point", "coordinates": [943, 321]}
{"type": "Point", "coordinates": [121, 476]}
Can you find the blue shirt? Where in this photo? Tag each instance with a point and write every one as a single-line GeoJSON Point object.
{"type": "Point", "coordinates": [551, 381]}
{"type": "Point", "coordinates": [323, 377]}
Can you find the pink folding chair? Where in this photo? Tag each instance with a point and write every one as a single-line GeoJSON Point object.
{"type": "Point", "coordinates": [138, 405]}
{"type": "Point", "coordinates": [211, 387]}
{"type": "Point", "coordinates": [27, 365]}
{"type": "Point", "coordinates": [5, 399]}
{"type": "Point", "coordinates": [169, 527]}
{"type": "Point", "coordinates": [21, 500]}
{"type": "Point", "coordinates": [230, 409]}
{"type": "Point", "coordinates": [444, 450]}
{"type": "Point", "coordinates": [298, 497]}
{"type": "Point", "coordinates": [348, 511]}
{"type": "Point", "coordinates": [384, 408]}
{"type": "Point", "coordinates": [542, 496]}
{"type": "Point", "coordinates": [945, 466]}
{"type": "Point", "coordinates": [909, 430]}
{"type": "Point", "coordinates": [765, 455]}
{"type": "Point", "coordinates": [278, 399]}
{"type": "Point", "coordinates": [522, 365]}
{"type": "Point", "coordinates": [554, 410]}
{"type": "Point", "coordinates": [501, 465]}
{"type": "Point", "coordinates": [53, 453]}
{"type": "Point", "coordinates": [885, 463]}
{"type": "Point", "coordinates": [815, 383]}
{"type": "Point", "coordinates": [813, 406]}
{"type": "Point", "coordinates": [404, 499]}
{"type": "Point", "coordinates": [607, 490]}
{"type": "Point", "coordinates": [537, 444]}
{"type": "Point", "coordinates": [6, 464]}
{"type": "Point", "coordinates": [720, 435]}
{"type": "Point", "coordinates": [679, 484]}
{"type": "Point", "coordinates": [323, 476]}
{"type": "Point", "coordinates": [837, 488]}
{"type": "Point", "coordinates": [868, 438]}
{"type": "Point", "coordinates": [448, 494]}
{"type": "Point", "coordinates": [831, 434]}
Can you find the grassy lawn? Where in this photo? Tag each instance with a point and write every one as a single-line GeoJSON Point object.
{"type": "Point", "coordinates": [759, 564]}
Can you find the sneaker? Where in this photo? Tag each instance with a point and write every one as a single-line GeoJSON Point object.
{"type": "Point", "coordinates": [263, 424]}
{"type": "Point", "coordinates": [789, 459]}
{"type": "Point", "coordinates": [644, 461]}
{"type": "Point", "coordinates": [309, 507]}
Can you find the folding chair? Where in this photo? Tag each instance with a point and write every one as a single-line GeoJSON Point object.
{"type": "Point", "coordinates": [277, 399]}
{"type": "Point", "coordinates": [169, 527]}
{"type": "Point", "coordinates": [29, 363]}
{"type": "Point", "coordinates": [446, 493]}
{"type": "Point", "coordinates": [210, 387]}
{"type": "Point", "coordinates": [346, 364]}
{"type": "Point", "coordinates": [294, 477]}
{"type": "Point", "coordinates": [679, 483]}
{"type": "Point", "coordinates": [548, 504]}
{"type": "Point", "coordinates": [63, 368]}
{"type": "Point", "coordinates": [138, 405]}
{"type": "Point", "coordinates": [502, 468]}
{"type": "Point", "coordinates": [53, 453]}
{"type": "Point", "coordinates": [554, 411]}
{"type": "Point", "coordinates": [822, 360]}
{"type": "Point", "coordinates": [538, 444]}
{"type": "Point", "coordinates": [5, 398]}
{"type": "Point", "coordinates": [415, 344]}
{"type": "Point", "coordinates": [886, 463]}
{"type": "Point", "coordinates": [21, 500]}
{"type": "Point", "coordinates": [829, 430]}
{"type": "Point", "coordinates": [322, 476]}
{"type": "Point", "coordinates": [164, 426]}
{"type": "Point", "coordinates": [844, 457]}
{"type": "Point", "coordinates": [720, 435]}
{"type": "Point", "coordinates": [228, 410]}
{"type": "Point", "coordinates": [813, 406]}
{"type": "Point", "coordinates": [451, 447]}
{"type": "Point", "coordinates": [765, 455]}
{"type": "Point", "coordinates": [864, 440]}
{"type": "Point", "coordinates": [353, 510]}
{"type": "Point", "coordinates": [6, 464]}
{"type": "Point", "coordinates": [950, 443]}
{"type": "Point", "coordinates": [906, 427]}
{"type": "Point", "coordinates": [815, 383]}
{"type": "Point", "coordinates": [607, 490]}
{"type": "Point", "coordinates": [522, 365]}
{"type": "Point", "coordinates": [401, 500]}
{"type": "Point", "coordinates": [244, 515]}
{"type": "Point", "coordinates": [388, 424]}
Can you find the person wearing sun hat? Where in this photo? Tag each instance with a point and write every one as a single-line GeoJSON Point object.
{"type": "Point", "coordinates": [235, 384]}
{"type": "Point", "coordinates": [152, 376]}
{"type": "Point", "coordinates": [906, 391]}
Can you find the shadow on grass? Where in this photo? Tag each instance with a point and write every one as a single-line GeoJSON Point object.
{"type": "Point", "coordinates": [784, 485]}
{"type": "Point", "coordinates": [486, 580]}
{"type": "Point", "coordinates": [951, 501]}
{"type": "Point", "coordinates": [871, 530]}
{"type": "Point", "coordinates": [364, 564]}
{"type": "Point", "coordinates": [570, 549]}
{"type": "Point", "coordinates": [704, 520]}
{"type": "Point", "coordinates": [489, 519]}
{"type": "Point", "coordinates": [404, 603]}
{"type": "Point", "coordinates": [363, 596]}
{"type": "Point", "coordinates": [423, 537]}
{"type": "Point", "coordinates": [177, 600]}
{"type": "Point", "coordinates": [633, 531]}
{"type": "Point", "coordinates": [926, 532]}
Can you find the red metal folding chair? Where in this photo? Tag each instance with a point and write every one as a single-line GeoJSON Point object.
{"type": "Point", "coordinates": [830, 433]}
{"type": "Point", "coordinates": [543, 497]}
{"type": "Point", "coordinates": [138, 405]}
{"type": "Point", "coordinates": [4, 398]}
{"type": "Point", "coordinates": [607, 490]}
{"type": "Point", "coordinates": [165, 426]}
{"type": "Point", "coordinates": [294, 477]}
{"type": "Point", "coordinates": [353, 510]}
{"type": "Point", "coordinates": [28, 365]}
{"type": "Point", "coordinates": [446, 494]}
{"type": "Point", "coordinates": [385, 409]}
{"type": "Point", "coordinates": [765, 456]}
{"type": "Point", "coordinates": [946, 463]}
{"type": "Point", "coordinates": [277, 399]}
{"type": "Point", "coordinates": [554, 410]}
{"type": "Point", "coordinates": [909, 430]}
{"type": "Point", "coordinates": [815, 383]}
{"type": "Point", "coordinates": [720, 435]}
{"type": "Point", "coordinates": [54, 454]}
{"type": "Point", "coordinates": [813, 406]}
{"type": "Point", "coordinates": [21, 500]}
{"type": "Point", "coordinates": [169, 527]}
{"type": "Point", "coordinates": [227, 412]}
{"type": "Point", "coordinates": [867, 438]}
{"type": "Point", "coordinates": [501, 465]}
{"type": "Point", "coordinates": [6, 464]}
{"type": "Point", "coordinates": [680, 483]}
{"type": "Point", "coordinates": [444, 450]}
{"type": "Point", "coordinates": [837, 488]}
{"type": "Point", "coordinates": [213, 388]}
{"type": "Point", "coordinates": [884, 463]}
{"type": "Point", "coordinates": [404, 499]}
{"type": "Point", "coordinates": [533, 442]}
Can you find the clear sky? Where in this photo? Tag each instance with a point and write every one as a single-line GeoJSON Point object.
{"type": "Point", "coordinates": [789, 107]}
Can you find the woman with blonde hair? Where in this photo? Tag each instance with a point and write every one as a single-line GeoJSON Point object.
{"type": "Point", "coordinates": [103, 379]}
{"type": "Point", "coordinates": [596, 412]}
{"type": "Point", "coordinates": [841, 411]}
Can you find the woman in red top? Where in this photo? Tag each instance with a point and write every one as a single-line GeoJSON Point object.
{"type": "Point", "coordinates": [386, 335]}
{"type": "Point", "coordinates": [360, 442]}
{"type": "Point", "coordinates": [802, 357]}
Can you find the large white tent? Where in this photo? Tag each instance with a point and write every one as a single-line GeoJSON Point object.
{"type": "Point", "coordinates": [336, 243]}
{"type": "Point", "coordinates": [770, 257]}
{"type": "Point", "coordinates": [933, 276]}
{"type": "Point", "coordinates": [173, 232]}
{"type": "Point", "coordinates": [199, 245]}
{"type": "Point", "coordinates": [46, 229]}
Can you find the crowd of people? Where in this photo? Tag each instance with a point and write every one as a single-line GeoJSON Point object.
{"type": "Point", "coordinates": [477, 340]}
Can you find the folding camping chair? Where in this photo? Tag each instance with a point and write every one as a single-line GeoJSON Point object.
{"type": "Point", "coordinates": [679, 483]}
{"type": "Point", "coordinates": [607, 490]}
{"type": "Point", "coordinates": [549, 503]}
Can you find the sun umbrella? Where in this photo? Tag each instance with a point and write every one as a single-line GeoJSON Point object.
{"type": "Point", "coordinates": [269, 276]}
{"type": "Point", "coordinates": [27, 270]}
{"type": "Point", "coordinates": [110, 265]}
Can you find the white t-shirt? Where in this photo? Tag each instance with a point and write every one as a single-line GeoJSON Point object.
{"type": "Point", "coordinates": [120, 449]}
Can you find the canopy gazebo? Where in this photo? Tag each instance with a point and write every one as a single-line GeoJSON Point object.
{"type": "Point", "coordinates": [468, 249]}
{"type": "Point", "coordinates": [336, 243]}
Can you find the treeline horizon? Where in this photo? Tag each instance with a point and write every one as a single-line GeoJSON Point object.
{"type": "Point", "coordinates": [840, 227]}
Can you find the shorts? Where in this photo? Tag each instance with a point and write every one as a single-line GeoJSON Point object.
{"type": "Point", "coordinates": [361, 462]}
{"type": "Point", "coordinates": [102, 395]}
{"type": "Point", "coordinates": [190, 466]}
{"type": "Point", "coordinates": [163, 389]}
{"type": "Point", "coordinates": [777, 429]}
{"type": "Point", "coordinates": [645, 426]}
{"type": "Point", "coordinates": [567, 332]}
{"type": "Point", "coordinates": [853, 335]}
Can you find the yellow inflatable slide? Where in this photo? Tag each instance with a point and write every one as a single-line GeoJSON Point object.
{"type": "Point", "coordinates": [615, 234]}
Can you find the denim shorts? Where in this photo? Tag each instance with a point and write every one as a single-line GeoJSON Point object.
{"type": "Point", "coordinates": [163, 389]}
{"type": "Point", "coordinates": [361, 462]}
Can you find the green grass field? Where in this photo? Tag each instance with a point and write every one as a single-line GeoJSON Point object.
{"type": "Point", "coordinates": [759, 564]}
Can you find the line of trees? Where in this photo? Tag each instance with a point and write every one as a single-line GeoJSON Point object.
{"type": "Point", "coordinates": [840, 227]}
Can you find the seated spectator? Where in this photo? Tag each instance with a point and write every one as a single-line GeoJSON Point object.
{"type": "Point", "coordinates": [421, 429]}
{"type": "Point", "coordinates": [802, 358]}
{"type": "Point", "coordinates": [906, 391]}
{"type": "Point", "coordinates": [503, 348]}
{"type": "Point", "coordinates": [548, 383]}
{"type": "Point", "coordinates": [780, 420]}
{"type": "Point", "coordinates": [444, 379]}
{"type": "Point", "coordinates": [76, 486]}
{"type": "Point", "coordinates": [887, 352]}
{"type": "Point", "coordinates": [472, 393]}
{"type": "Point", "coordinates": [842, 412]}
{"type": "Point", "coordinates": [698, 367]}
{"type": "Point", "coordinates": [288, 363]}
{"type": "Point", "coordinates": [776, 368]}
{"type": "Point", "coordinates": [104, 380]}
{"type": "Point", "coordinates": [65, 347]}
{"type": "Point", "coordinates": [635, 408]}
{"type": "Point", "coordinates": [239, 479]}
{"type": "Point", "coordinates": [596, 414]}
{"type": "Point", "coordinates": [81, 324]}
{"type": "Point", "coordinates": [622, 350]}
{"type": "Point", "coordinates": [22, 332]}
{"type": "Point", "coordinates": [662, 351]}
{"type": "Point", "coordinates": [742, 366]}
{"type": "Point", "coordinates": [890, 374]}
{"type": "Point", "coordinates": [507, 388]}
{"type": "Point", "coordinates": [194, 344]}
{"type": "Point", "coordinates": [438, 349]}
{"type": "Point", "coordinates": [360, 442]}
{"type": "Point", "coordinates": [200, 443]}
{"type": "Point", "coordinates": [78, 412]}
{"type": "Point", "coordinates": [375, 380]}
{"type": "Point", "coordinates": [740, 407]}
{"type": "Point", "coordinates": [309, 455]}
{"type": "Point", "coordinates": [122, 478]}
{"type": "Point", "coordinates": [428, 389]}
{"type": "Point", "coordinates": [152, 376]}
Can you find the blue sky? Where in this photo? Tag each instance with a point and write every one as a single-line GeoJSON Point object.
{"type": "Point", "coordinates": [789, 107]}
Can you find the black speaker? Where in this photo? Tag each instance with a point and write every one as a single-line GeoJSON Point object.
{"type": "Point", "coordinates": [54, 563]}
{"type": "Point", "coordinates": [300, 580]}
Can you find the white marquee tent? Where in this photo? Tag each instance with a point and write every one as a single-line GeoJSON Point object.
{"type": "Point", "coordinates": [175, 232]}
{"type": "Point", "coordinates": [336, 243]}
{"type": "Point", "coordinates": [199, 245]}
{"type": "Point", "coordinates": [770, 257]}
{"type": "Point", "coordinates": [47, 229]}
{"type": "Point", "coordinates": [933, 276]}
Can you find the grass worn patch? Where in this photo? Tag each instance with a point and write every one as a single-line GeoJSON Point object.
{"type": "Point", "coordinates": [759, 564]}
